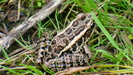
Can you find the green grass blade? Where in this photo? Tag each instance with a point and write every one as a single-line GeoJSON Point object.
{"type": "Point", "coordinates": [109, 36]}
{"type": "Point", "coordinates": [34, 69]}
{"type": "Point", "coordinates": [10, 70]}
{"type": "Point", "coordinates": [4, 52]}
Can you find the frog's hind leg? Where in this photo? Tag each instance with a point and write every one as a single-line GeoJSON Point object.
{"type": "Point", "coordinates": [42, 48]}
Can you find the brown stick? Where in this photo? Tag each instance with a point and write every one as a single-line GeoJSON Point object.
{"type": "Point", "coordinates": [5, 42]}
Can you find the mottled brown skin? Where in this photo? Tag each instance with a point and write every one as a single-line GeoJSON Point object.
{"type": "Point", "coordinates": [68, 48]}
{"type": "Point", "coordinates": [72, 33]}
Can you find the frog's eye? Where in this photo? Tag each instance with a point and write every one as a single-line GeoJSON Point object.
{"type": "Point", "coordinates": [81, 16]}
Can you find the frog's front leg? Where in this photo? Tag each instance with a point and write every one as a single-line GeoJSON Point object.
{"type": "Point", "coordinates": [87, 51]}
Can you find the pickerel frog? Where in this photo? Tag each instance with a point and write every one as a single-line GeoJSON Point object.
{"type": "Point", "coordinates": [68, 48]}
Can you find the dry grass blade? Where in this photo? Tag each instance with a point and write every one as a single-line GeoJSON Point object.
{"type": "Point", "coordinates": [14, 68]}
{"type": "Point", "coordinates": [73, 69]}
{"type": "Point", "coordinates": [78, 69]}
{"type": "Point", "coordinates": [125, 38]}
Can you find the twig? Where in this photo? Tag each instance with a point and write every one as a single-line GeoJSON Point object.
{"type": "Point", "coordinates": [5, 42]}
